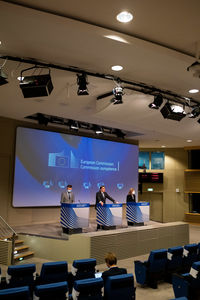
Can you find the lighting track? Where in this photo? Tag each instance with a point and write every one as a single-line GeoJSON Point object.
{"type": "Point", "coordinates": [132, 85]}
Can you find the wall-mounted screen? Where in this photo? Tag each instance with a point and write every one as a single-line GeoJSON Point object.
{"type": "Point", "coordinates": [157, 160]}
{"type": "Point", "coordinates": [45, 162]}
{"type": "Point", "coordinates": [143, 160]}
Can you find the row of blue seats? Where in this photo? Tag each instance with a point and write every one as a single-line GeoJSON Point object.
{"type": "Point", "coordinates": [51, 272]}
{"type": "Point", "coordinates": [57, 272]}
{"type": "Point", "coordinates": [162, 263]}
{"type": "Point", "coordinates": [119, 287]}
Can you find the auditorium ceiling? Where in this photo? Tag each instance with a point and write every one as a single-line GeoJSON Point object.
{"type": "Point", "coordinates": [157, 47]}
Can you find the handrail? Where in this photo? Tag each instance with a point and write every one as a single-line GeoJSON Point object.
{"type": "Point", "coordinates": [7, 232]}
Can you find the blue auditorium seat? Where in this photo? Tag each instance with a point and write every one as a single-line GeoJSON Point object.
{"type": "Point", "coordinates": [188, 284]}
{"type": "Point", "coordinates": [52, 291]}
{"type": "Point", "coordinates": [174, 261]}
{"type": "Point", "coordinates": [190, 254]}
{"type": "Point", "coordinates": [84, 268]}
{"type": "Point", "coordinates": [53, 272]}
{"type": "Point", "coordinates": [152, 270]}
{"type": "Point", "coordinates": [19, 293]}
{"type": "Point", "coordinates": [81, 269]}
{"type": "Point", "coordinates": [90, 288]}
{"type": "Point", "coordinates": [21, 275]}
{"type": "Point", "coordinates": [119, 287]}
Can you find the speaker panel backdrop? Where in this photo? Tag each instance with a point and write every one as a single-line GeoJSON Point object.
{"type": "Point", "coordinates": [45, 162]}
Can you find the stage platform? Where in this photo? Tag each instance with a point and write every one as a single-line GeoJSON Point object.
{"type": "Point", "coordinates": [47, 241]}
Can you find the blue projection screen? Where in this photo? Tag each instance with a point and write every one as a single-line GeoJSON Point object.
{"type": "Point", "coordinates": [46, 162]}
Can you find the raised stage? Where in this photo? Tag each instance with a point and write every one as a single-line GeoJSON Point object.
{"type": "Point", "coordinates": [47, 242]}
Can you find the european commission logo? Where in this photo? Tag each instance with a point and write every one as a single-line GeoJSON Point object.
{"type": "Point", "coordinates": [63, 160]}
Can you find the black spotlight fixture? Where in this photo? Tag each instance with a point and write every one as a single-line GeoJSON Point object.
{"type": "Point", "coordinates": [97, 129]}
{"type": "Point", "coordinates": [173, 111]}
{"type": "Point", "coordinates": [118, 93]}
{"type": "Point", "coordinates": [74, 125]}
{"type": "Point", "coordinates": [195, 112]}
{"type": "Point", "coordinates": [157, 102]}
{"type": "Point", "coordinates": [82, 84]}
{"type": "Point", "coordinates": [119, 133]}
{"type": "Point", "coordinates": [42, 120]}
{"type": "Point", "coordinates": [36, 85]}
{"type": "Point", "coordinates": [3, 77]}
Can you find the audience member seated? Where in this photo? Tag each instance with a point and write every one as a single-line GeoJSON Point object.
{"type": "Point", "coordinates": [119, 287]}
{"type": "Point", "coordinates": [188, 284]}
{"type": "Point", "coordinates": [90, 288]}
{"type": "Point", "coordinates": [53, 272]}
{"type": "Point", "coordinates": [19, 293]}
{"type": "Point", "coordinates": [111, 262]}
{"type": "Point", "coordinates": [152, 270]}
{"type": "Point", "coordinates": [21, 275]}
{"type": "Point", "coordinates": [52, 291]}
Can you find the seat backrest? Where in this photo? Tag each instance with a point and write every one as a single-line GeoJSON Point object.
{"type": "Point", "coordinates": [21, 275]}
{"type": "Point", "coordinates": [195, 271]}
{"type": "Point", "coordinates": [175, 257]}
{"type": "Point", "coordinates": [54, 272]}
{"type": "Point", "coordinates": [190, 250]}
{"type": "Point", "coordinates": [19, 293]}
{"type": "Point", "coordinates": [52, 291]}
{"type": "Point", "coordinates": [90, 288]}
{"type": "Point", "coordinates": [157, 260]}
{"type": "Point", "coordinates": [119, 287]}
{"type": "Point", "coordinates": [83, 268]}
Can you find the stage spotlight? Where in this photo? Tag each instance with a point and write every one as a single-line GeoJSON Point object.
{"type": "Point", "coordinates": [42, 120]}
{"type": "Point", "coordinates": [195, 112]}
{"type": "Point", "coordinates": [119, 133]}
{"type": "Point", "coordinates": [157, 102]}
{"type": "Point", "coordinates": [118, 93]}
{"type": "Point", "coordinates": [73, 125]}
{"type": "Point", "coordinates": [173, 112]}
{"type": "Point", "coordinates": [3, 77]}
{"type": "Point", "coordinates": [98, 129]}
{"type": "Point", "coordinates": [36, 85]}
{"type": "Point", "coordinates": [82, 84]}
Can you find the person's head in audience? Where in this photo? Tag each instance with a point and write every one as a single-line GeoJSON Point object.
{"type": "Point", "coordinates": [111, 259]}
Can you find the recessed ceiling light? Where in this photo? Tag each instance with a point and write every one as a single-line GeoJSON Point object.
{"type": "Point", "coordinates": [193, 91]}
{"type": "Point", "coordinates": [116, 38]}
{"type": "Point", "coordinates": [0, 43]}
{"type": "Point", "coordinates": [163, 146]}
{"type": "Point", "coordinates": [124, 17]}
{"type": "Point", "coordinates": [20, 78]}
{"type": "Point", "coordinates": [117, 68]}
{"type": "Point", "coordinates": [189, 141]}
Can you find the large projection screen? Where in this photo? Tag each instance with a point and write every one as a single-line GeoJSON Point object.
{"type": "Point", "coordinates": [45, 162]}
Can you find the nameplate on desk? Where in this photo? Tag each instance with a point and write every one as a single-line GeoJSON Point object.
{"type": "Point", "coordinates": [75, 205]}
{"type": "Point", "coordinates": [138, 203]}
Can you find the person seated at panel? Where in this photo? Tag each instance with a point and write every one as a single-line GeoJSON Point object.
{"type": "Point", "coordinates": [111, 262]}
{"type": "Point", "coordinates": [131, 196]}
{"type": "Point", "coordinates": [101, 197]}
{"type": "Point", "coordinates": [68, 196]}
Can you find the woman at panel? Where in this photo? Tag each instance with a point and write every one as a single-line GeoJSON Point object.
{"type": "Point", "coordinates": [131, 196]}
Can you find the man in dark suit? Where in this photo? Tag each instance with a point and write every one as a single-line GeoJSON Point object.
{"type": "Point", "coordinates": [101, 197]}
{"type": "Point", "coordinates": [111, 262]}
